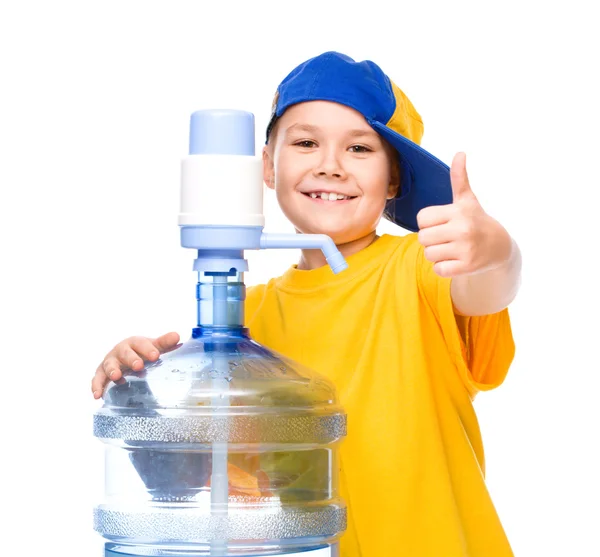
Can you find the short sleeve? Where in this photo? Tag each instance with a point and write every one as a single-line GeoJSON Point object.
{"type": "Point", "coordinates": [482, 347]}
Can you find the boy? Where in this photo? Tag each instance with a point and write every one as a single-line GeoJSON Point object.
{"type": "Point", "coordinates": [413, 329]}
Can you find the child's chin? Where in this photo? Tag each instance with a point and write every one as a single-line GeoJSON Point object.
{"type": "Point", "coordinates": [340, 233]}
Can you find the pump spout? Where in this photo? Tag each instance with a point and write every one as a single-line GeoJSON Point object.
{"type": "Point", "coordinates": [307, 241]}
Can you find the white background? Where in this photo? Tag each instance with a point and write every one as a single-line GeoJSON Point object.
{"type": "Point", "coordinates": [95, 99]}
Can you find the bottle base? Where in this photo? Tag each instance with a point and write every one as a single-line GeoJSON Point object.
{"type": "Point", "coordinates": [120, 550]}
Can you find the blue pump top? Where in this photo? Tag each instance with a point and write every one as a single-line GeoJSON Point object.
{"type": "Point", "coordinates": [222, 132]}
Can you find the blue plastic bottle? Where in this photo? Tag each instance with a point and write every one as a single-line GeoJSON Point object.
{"type": "Point", "coordinates": [223, 447]}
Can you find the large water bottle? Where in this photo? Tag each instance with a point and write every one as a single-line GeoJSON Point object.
{"type": "Point", "coordinates": [222, 447]}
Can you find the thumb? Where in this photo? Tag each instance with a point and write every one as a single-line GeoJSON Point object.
{"type": "Point", "coordinates": [167, 342]}
{"type": "Point", "coordinates": [461, 189]}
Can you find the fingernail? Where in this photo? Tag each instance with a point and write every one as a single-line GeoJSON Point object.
{"type": "Point", "coordinates": [95, 393]}
{"type": "Point", "coordinates": [111, 373]}
{"type": "Point", "coordinates": [137, 363]}
{"type": "Point", "coordinates": [154, 354]}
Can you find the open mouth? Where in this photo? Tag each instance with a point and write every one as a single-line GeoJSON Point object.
{"type": "Point", "coordinates": [329, 196]}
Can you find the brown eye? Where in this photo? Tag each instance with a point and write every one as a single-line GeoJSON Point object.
{"type": "Point", "coordinates": [305, 143]}
{"type": "Point", "coordinates": [360, 149]}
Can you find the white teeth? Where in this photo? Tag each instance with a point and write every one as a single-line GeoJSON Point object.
{"type": "Point", "coordinates": [329, 196]}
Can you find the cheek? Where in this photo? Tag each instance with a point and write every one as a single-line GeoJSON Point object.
{"type": "Point", "coordinates": [287, 177]}
{"type": "Point", "coordinates": [289, 205]}
{"type": "Point", "coordinates": [290, 167]}
{"type": "Point", "coordinates": [284, 187]}
{"type": "Point", "coordinates": [375, 185]}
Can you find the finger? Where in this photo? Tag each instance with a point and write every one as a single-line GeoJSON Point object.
{"type": "Point", "coordinates": [99, 381]}
{"type": "Point", "coordinates": [441, 252]}
{"type": "Point", "coordinates": [112, 368]}
{"type": "Point", "coordinates": [128, 357]}
{"type": "Point", "coordinates": [461, 189]}
{"type": "Point", "coordinates": [144, 347]}
{"type": "Point", "coordinates": [167, 342]}
{"type": "Point", "coordinates": [449, 269]}
{"type": "Point", "coordinates": [433, 235]}
{"type": "Point", "coordinates": [434, 215]}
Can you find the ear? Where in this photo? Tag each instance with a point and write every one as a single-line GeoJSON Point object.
{"type": "Point", "coordinates": [268, 168]}
{"type": "Point", "coordinates": [393, 190]}
{"type": "Point", "coordinates": [394, 185]}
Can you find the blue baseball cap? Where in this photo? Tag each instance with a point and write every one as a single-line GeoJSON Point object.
{"type": "Point", "coordinates": [363, 86]}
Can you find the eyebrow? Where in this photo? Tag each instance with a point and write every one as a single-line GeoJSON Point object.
{"type": "Point", "coordinates": [360, 133]}
{"type": "Point", "coordinates": [302, 127]}
{"type": "Point", "coordinates": [312, 129]}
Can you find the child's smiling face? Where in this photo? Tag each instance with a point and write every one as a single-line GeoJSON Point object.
{"type": "Point", "coordinates": [331, 171]}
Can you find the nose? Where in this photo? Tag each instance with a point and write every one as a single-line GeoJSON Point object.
{"type": "Point", "coordinates": [329, 165]}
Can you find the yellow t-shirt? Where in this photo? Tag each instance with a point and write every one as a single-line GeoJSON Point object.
{"type": "Point", "coordinates": [384, 331]}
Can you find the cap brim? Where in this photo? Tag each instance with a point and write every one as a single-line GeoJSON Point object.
{"type": "Point", "coordinates": [425, 180]}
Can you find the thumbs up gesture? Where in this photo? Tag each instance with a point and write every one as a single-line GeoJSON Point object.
{"type": "Point", "coordinates": [461, 238]}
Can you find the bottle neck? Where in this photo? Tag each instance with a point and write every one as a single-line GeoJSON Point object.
{"type": "Point", "coordinates": [220, 297]}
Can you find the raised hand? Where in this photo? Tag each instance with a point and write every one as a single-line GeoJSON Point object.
{"type": "Point", "coordinates": [461, 238]}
